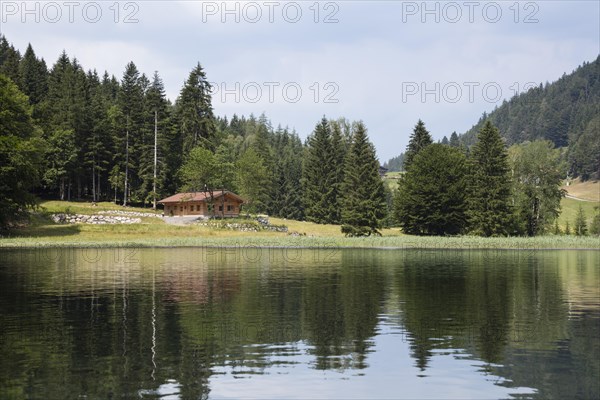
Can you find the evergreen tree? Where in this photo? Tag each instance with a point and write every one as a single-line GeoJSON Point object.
{"type": "Point", "coordinates": [9, 61]}
{"type": "Point", "coordinates": [130, 142]}
{"type": "Point", "coordinates": [194, 112]}
{"type": "Point", "coordinates": [33, 76]}
{"type": "Point", "coordinates": [364, 201]}
{"type": "Point", "coordinates": [67, 125]}
{"type": "Point", "coordinates": [338, 156]}
{"type": "Point", "coordinates": [595, 225]}
{"type": "Point", "coordinates": [490, 186]}
{"type": "Point", "coordinates": [567, 229]}
{"type": "Point", "coordinates": [581, 228]}
{"type": "Point", "coordinates": [445, 141]}
{"type": "Point", "coordinates": [431, 197]}
{"type": "Point", "coordinates": [419, 139]}
{"type": "Point", "coordinates": [319, 179]}
{"type": "Point", "coordinates": [556, 228]}
{"type": "Point", "coordinates": [287, 196]}
{"type": "Point", "coordinates": [454, 141]}
{"type": "Point", "coordinates": [156, 126]}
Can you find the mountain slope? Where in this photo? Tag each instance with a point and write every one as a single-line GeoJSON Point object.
{"type": "Point", "coordinates": [566, 112]}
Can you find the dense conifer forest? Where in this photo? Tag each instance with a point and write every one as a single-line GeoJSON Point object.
{"type": "Point", "coordinates": [72, 133]}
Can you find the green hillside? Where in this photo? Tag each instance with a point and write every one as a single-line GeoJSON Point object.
{"type": "Point", "coordinates": [566, 112]}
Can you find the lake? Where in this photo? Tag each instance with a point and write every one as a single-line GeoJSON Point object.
{"type": "Point", "coordinates": [235, 323]}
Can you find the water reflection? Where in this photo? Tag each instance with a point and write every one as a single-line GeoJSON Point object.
{"type": "Point", "coordinates": [194, 323]}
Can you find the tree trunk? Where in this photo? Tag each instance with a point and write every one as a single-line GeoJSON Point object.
{"type": "Point", "coordinates": [155, 158]}
{"type": "Point", "coordinates": [126, 166]}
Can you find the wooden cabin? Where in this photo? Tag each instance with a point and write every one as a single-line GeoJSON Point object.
{"type": "Point", "coordinates": [222, 204]}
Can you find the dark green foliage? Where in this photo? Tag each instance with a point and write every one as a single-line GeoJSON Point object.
{"type": "Point", "coordinates": [287, 198]}
{"type": "Point", "coordinates": [419, 139]}
{"type": "Point", "coordinates": [33, 76]}
{"type": "Point", "coordinates": [536, 186]}
{"type": "Point", "coordinates": [319, 177]}
{"type": "Point", "coordinates": [431, 197]}
{"type": "Point", "coordinates": [20, 153]}
{"type": "Point", "coordinates": [445, 141]}
{"type": "Point", "coordinates": [489, 184]}
{"type": "Point", "coordinates": [454, 141]}
{"type": "Point", "coordinates": [9, 61]}
{"type": "Point", "coordinates": [364, 202]}
{"type": "Point", "coordinates": [595, 225]}
{"type": "Point", "coordinates": [560, 112]}
{"type": "Point", "coordinates": [584, 155]}
{"type": "Point", "coordinates": [556, 228]}
{"type": "Point", "coordinates": [567, 228]}
{"type": "Point", "coordinates": [581, 228]}
{"type": "Point", "coordinates": [196, 122]}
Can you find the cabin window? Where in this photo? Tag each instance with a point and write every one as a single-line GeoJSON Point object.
{"type": "Point", "coordinates": [180, 208]}
{"type": "Point", "coordinates": [220, 208]}
{"type": "Point", "coordinates": [229, 207]}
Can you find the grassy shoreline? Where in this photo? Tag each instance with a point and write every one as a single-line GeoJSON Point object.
{"type": "Point", "coordinates": [260, 241]}
{"type": "Point", "coordinates": [154, 232]}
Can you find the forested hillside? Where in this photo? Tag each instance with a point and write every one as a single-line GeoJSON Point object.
{"type": "Point", "coordinates": [566, 112]}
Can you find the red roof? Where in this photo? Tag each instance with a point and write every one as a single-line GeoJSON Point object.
{"type": "Point", "coordinates": [198, 196]}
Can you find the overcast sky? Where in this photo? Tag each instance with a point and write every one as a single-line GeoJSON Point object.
{"type": "Point", "coordinates": [387, 63]}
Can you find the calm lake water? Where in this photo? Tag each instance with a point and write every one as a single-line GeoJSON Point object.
{"type": "Point", "coordinates": [274, 323]}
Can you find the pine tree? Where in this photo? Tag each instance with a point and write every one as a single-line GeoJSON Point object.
{"type": "Point", "coordinates": [34, 76]}
{"type": "Point", "coordinates": [194, 112]}
{"type": "Point", "coordinates": [419, 139]}
{"type": "Point", "coordinates": [445, 141]}
{"type": "Point", "coordinates": [318, 176]}
{"type": "Point", "coordinates": [338, 156]}
{"type": "Point", "coordinates": [156, 120]}
{"type": "Point", "coordinates": [9, 61]}
{"type": "Point", "coordinates": [66, 104]}
{"type": "Point", "coordinates": [287, 194]}
{"type": "Point", "coordinates": [130, 101]}
{"type": "Point", "coordinates": [431, 196]}
{"type": "Point", "coordinates": [567, 229]}
{"type": "Point", "coordinates": [489, 191]}
{"type": "Point", "coordinates": [556, 228]}
{"type": "Point", "coordinates": [595, 225]}
{"type": "Point", "coordinates": [581, 228]}
{"type": "Point", "coordinates": [454, 141]}
{"type": "Point", "coordinates": [364, 201]}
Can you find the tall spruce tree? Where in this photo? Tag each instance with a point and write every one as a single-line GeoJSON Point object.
{"type": "Point", "coordinates": [34, 76]}
{"type": "Point", "coordinates": [490, 184]}
{"type": "Point", "coordinates": [581, 228]}
{"type": "Point", "coordinates": [419, 139]}
{"type": "Point", "coordinates": [9, 60]}
{"type": "Point", "coordinates": [194, 112]}
{"type": "Point", "coordinates": [338, 156]}
{"type": "Point", "coordinates": [364, 201]}
{"type": "Point", "coordinates": [454, 141]}
{"type": "Point", "coordinates": [319, 177]}
{"type": "Point", "coordinates": [130, 101]}
{"type": "Point", "coordinates": [431, 195]}
{"type": "Point", "coordinates": [156, 117]}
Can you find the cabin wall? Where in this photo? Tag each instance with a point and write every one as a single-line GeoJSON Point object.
{"type": "Point", "coordinates": [229, 207]}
